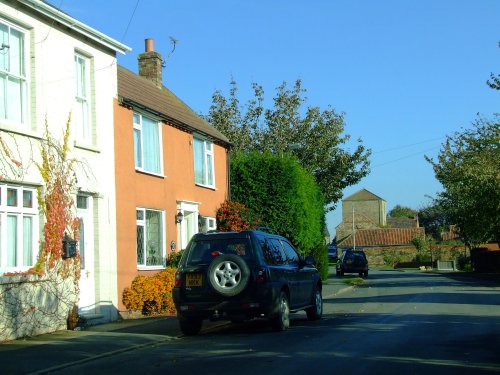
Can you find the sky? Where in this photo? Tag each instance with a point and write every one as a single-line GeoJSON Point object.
{"type": "Point", "coordinates": [406, 73]}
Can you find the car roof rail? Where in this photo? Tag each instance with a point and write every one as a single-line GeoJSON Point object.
{"type": "Point", "coordinates": [267, 230]}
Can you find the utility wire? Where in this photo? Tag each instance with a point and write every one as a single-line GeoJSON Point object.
{"type": "Point", "coordinates": [406, 146]}
{"type": "Point", "coordinates": [130, 21]}
{"type": "Point", "coordinates": [406, 157]}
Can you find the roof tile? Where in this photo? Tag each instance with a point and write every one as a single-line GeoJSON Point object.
{"type": "Point", "coordinates": [136, 90]}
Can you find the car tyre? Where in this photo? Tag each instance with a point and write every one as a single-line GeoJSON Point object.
{"type": "Point", "coordinates": [228, 275]}
{"type": "Point", "coordinates": [189, 326]}
{"type": "Point", "coordinates": [315, 312]}
{"type": "Point", "coordinates": [281, 322]}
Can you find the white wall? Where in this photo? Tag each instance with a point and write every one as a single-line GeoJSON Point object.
{"type": "Point", "coordinates": [52, 95]}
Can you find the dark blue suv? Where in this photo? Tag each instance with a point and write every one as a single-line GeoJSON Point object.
{"type": "Point", "coordinates": [243, 275]}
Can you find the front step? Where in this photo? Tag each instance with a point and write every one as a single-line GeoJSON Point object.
{"type": "Point", "coordinates": [87, 320]}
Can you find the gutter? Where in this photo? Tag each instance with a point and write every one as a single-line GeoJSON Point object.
{"type": "Point", "coordinates": [79, 27]}
{"type": "Point", "coordinates": [172, 121]}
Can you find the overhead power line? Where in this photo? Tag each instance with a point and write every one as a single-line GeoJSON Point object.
{"type": "Point", "coordinates": [130, 21]}
{"type": "Point", "coordinates": [407, 145]}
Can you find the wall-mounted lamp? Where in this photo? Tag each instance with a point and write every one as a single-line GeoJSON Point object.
{"type": "Point", "coordinates": [179, 217]}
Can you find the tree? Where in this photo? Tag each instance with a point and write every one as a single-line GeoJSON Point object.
{"type": "Point", "coordinates": [494, 81]}
{"type": "Point", "coordinates": [402, 211]}
{"type": "Point", "coordinates": [434, 219]}
{"type": "Point", "coordinates": [282, 194]}
{"type": "Point", "coordinates": [314, 136]}
{"type": "Point", "coordinates": [468, 167]}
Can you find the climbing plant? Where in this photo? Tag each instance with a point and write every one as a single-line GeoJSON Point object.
{"type": "Point", "coordinates": [56, 200]}
{"type": "Point", "coordinates": [31, 304]}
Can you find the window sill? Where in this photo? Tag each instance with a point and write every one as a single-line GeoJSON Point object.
{"type": "Point", "coordinates": [150, 268]}
{"type": "Point", "coordinates": [17, 130]}
{"type": "Point", "coordinates": [86, 146]}
{"type": "Point", "coordinates": [206, 186]}
{"type": "Point", "coordinates": [141, 171]}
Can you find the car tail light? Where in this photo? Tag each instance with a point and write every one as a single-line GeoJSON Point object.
{"type": "Point", "coordinates": [261, 277]}
{"type": "Point", "coordinates": [178, 279]}
{"type": "Point", "coordinates": [215, 253]}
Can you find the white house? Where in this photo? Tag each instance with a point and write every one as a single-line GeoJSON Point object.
{"type": "Point", "coordinates": [52, 65]}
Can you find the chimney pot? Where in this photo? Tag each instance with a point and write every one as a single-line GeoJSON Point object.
{"type": "Point", "coordinates": [149, 45]}
{"type": "Point", "coordinates": [151, 64]}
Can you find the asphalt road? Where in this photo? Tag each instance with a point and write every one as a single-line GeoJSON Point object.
{"type": "Point", "coordinates": [397, 322]}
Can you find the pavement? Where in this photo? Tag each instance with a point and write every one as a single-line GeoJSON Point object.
{"type": "Point", "coordinates": [55, 351]}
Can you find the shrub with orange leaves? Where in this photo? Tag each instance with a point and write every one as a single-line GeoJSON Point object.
{"type": "Point", "coordinates": [235, 216]}
{"type": "Point", "coordinates": [151, 294]}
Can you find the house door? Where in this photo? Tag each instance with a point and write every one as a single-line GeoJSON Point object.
{"type": "Point", "coordinates": [86, 247]}
{"type": "Point", "coordinates": [189, 223]}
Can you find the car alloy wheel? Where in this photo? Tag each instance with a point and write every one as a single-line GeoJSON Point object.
{"type": "Point", "coordinates": [228, 274]}
{"type": "Point", "coordinates": [315, 312]}
{"type": "Point", "coordinates": [281, 322]}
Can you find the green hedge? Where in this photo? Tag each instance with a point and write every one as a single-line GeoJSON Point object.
{"type": "Point", "coordinates": [282, 194]}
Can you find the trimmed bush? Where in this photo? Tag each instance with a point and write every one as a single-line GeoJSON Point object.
{"type": "Point", "coordinates": [320, 254]}
{"type": "Point", "coordinates": [282, 194]}
{"type": "Point", "coordinates": [151, 294]}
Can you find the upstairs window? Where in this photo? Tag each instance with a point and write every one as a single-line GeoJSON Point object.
{"type": "Point", "coordinates": [18, 227]}
{"type": "Point", "coordinates": [203, 162]}
{"type": "Point", "coordinates": [147, 144]}
{"type": "Point", "coordinates": [13, 79]}
{"type": "Point", "coordinates": [81, 113]}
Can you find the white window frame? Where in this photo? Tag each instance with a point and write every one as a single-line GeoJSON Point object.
{"type": "Point", "coordinates": [138, 129]}
{"type": "Point", "coordinates": [142, 223]}
{"type": "Point", "coordinates": [8, 97]}
{"type": "Point", "coordinates": [208, 223]}
{"type": "Point", "coordinates": [207, 162]}
{"type": "Point", "coordinates": [19, 212]}
{"type": "Point", "coordinates": [83, 102]}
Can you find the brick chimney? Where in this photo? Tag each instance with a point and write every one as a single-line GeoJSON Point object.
{"type": "Point", "coordinates": [150, 64]}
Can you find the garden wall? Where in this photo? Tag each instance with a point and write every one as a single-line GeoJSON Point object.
{"type": "Point", "coordinates": [31, 305]}
{"type": "Point", "coordinates": [406, 255]}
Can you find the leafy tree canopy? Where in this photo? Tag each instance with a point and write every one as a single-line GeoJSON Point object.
{"type": "Point", "coordinates": [314, 136]}
{"type": "Point", "coordinates": [434, 219]}
{"type": "Point", "coordinates": [402, 211]}
{"type": "Point", "coordinates": [494, 81]}
{"type": "Point", "coordinates": [468, 167]}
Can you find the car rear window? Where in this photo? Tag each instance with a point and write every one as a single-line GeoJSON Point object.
{"type": "Point", "coordinates": [203, 251]}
